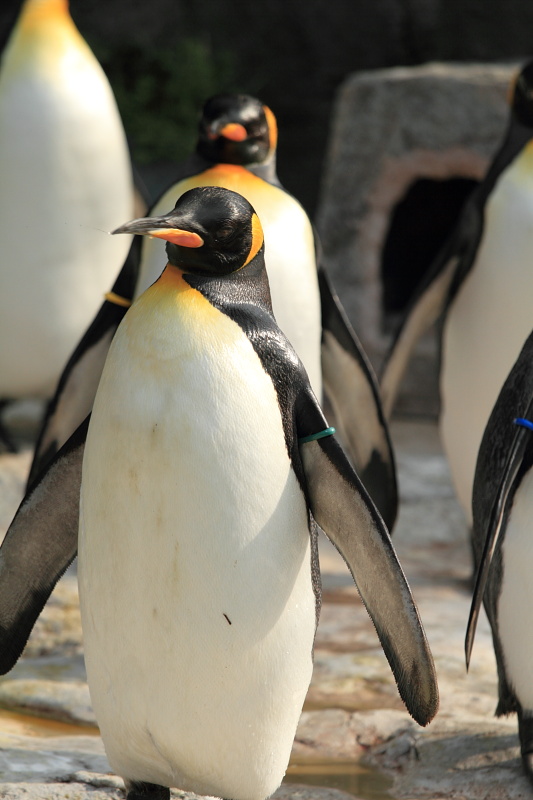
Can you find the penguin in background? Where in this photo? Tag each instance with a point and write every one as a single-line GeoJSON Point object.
{"type": "Point", "coordinates": [63, 150]}
{"type": "Point", "coordinates": [502, 505]}
{"type": "Point", "coordinates": [236, 149]}
{"type": "Point", "coordinates": [206, 465]}
{"type": "Point", "coordinates": [480, 287]}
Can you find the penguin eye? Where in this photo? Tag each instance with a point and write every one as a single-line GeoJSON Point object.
{"type": "Point", "coordinates": [225, 233]}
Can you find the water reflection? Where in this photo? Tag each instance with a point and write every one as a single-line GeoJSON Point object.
{"type": "Point", "coordinates": [363, 782]}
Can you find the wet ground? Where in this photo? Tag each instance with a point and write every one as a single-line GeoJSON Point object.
{"type": "Point", "coordinates": [355, 739]}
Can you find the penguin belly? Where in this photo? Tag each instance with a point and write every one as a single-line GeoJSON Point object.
{"type": "Point", "coordinates": [516, 595]}
{"type": "Point", "coordinates": [487, 323]}
{"type": "Point", "coordinates": [197, 603]}
{"type": "Point", "coordinates": [289, 256]}
{"type": "Point", "coordinates": [66, 181]}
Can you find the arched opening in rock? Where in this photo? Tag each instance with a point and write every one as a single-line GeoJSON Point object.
{"type": "Point", "coordinates": [419, 225]}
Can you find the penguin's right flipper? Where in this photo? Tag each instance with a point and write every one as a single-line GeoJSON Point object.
{"type": "Point", "coordinates": [76, 389]}
{"type": "Point", "coordinates": [342, 507]}
{"type": "Point", "coordinates": [38, 547]}
{"type": "Point", "coordinates": [352, 389]}
{"type": "Point", "coordinates": [502, 500]}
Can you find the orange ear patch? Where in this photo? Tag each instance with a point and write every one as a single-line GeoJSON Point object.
{"type": "Point", "coordinates": [257, 239]}
{"type": "Point", "coordinates": [235, 132]}
{"type": "Point", "coordinates": [272, 128]}
{"type": "Point", "coordinates": [177, 236]}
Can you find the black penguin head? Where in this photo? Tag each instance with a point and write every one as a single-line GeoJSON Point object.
{"type": "Point", "coordinates": [522, 96]}
{"type": "Point", "coordinates": [210, 231]}
{"type": "Point", "coordinates": [237, 129]}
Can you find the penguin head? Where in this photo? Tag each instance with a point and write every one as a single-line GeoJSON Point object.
{"type": "Point", "coordinates": [522, 95]}
{"type": "Point", "coordinates": [237, 129]}
{"type": "Point", "coordinates": [211, 231]}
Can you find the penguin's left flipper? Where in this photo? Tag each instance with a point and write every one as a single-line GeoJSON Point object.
{"type": "Point", "coordinates": [352, 389]}
{"type": "Point", "coordinates": [424, 312]}
{"type": "Point", "coordinates": [435, 293]}
{"type": "Point", "coordinates": [40, 544]}
{"type": "Point", "coordinates": [502, 500]}
{"type": "Point", "coordinates": [76, 389]}
{"type": "Point", "coordinates": [343, 509]}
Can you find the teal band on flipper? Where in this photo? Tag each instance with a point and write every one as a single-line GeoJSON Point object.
{"type": "Point", "coordinates": [524, 423]}
{"type": "Point", "coordinates": [319, 435]}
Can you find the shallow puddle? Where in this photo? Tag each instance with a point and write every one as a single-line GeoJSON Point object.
{"type": "Point", "coordinates": [348, 776]}
{"type": "Point", "coordinates": [26, 725]}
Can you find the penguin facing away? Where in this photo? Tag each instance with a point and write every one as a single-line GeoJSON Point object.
{"type": "Point", "coordinates": [62, 145]}
{"type": "Point", "coordinates": [207, 462]}
{"type": "Point", "coordinates": [502, 507]}
{"type": "Point", "coordinates": [479, 285]}
{"type": "Point", "coordinates": [236, 149]}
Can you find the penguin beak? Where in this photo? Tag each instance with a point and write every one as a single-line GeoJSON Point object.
{"type": "Point", "coordinates": [235, 132]}
{"type": "Point", "coordinates": [161, 228]}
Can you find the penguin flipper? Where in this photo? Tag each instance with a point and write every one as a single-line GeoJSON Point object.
{"type": "Point", "coordinates": [343, 509]}
{"type": "Point", "coordinates": [76, 390]}
{"type": "Point", "coordinates": [352, 389]}
{"type": "Point", "coordinates": [39, 545]}
{"type": "Point", "coordinates": [424, 312]}
{"type": "Point", "coordinates": [494, 526]}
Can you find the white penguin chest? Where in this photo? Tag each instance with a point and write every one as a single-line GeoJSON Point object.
{"type": "Point", "coordinates": [289, 257]}
{"type": "Point", "coordinates": [488, 323]}
{"type": "Point", "coordinates": [194, 530]}
{"type": "Point", "coordinates": [517, 594]}
{"type": "Point", "coordinates": [63, 151]}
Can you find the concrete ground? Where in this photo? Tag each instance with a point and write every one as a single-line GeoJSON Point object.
{"type": "Point", "coordinates": [354, 738]}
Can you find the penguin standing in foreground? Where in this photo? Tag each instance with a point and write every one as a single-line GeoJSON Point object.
{"type": "Point", "coordinates": [207, 462]}
{"type": "Point", "coordinates": [481, 284]}
{"type": "Point", "coordinates": [236, 149]}
{"type": "Point", "coordinates": [503, 545]}
{"type": "Point", "coordinates": [63, 150]}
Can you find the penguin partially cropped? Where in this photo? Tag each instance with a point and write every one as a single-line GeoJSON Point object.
{"type": "Point", "coordinates": [236, 149]}
{"type": "Point", "coordinates": [503, 544]}
{"type": "Point", "coordinates": [63, 150]}
{"type": "Point", "coordinates": [480, 285]}
{"type": "Point", "coordinates": [207, 462]}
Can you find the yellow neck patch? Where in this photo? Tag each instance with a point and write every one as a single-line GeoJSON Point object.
{"type": "Point", "coordinates": [257, 239]}
{"type": "Point", "coordinates": [42, 38]}
{"type": "Point", "coordinates": [171, 293]}
{"type": "Point", "coordinates": [35, 12]}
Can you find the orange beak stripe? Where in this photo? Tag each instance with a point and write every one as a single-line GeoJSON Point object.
{"type": "Point", "coordinates": [177, 236]}
{"type": "Point", "coordinates": [234, 131]}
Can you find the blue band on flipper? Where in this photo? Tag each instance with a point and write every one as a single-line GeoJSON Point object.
{"type": "Point", "coordinates": [524, 423]}
{"type": "Point", "coordinates": [319, 435]}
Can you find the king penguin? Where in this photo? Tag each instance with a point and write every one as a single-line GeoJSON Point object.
{"type": "Point", "coordinates": [480, 285]}
{"type": "Point", "coordinates": [502, 534]}
{"type": "Point", "coordinates": [236, 149]}
{"type": "Point", "coordinates": [207, 462]}
{"type": "Point", "coordinates": [63, 150]}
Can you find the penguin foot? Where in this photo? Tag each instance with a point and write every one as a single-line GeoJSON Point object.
{"type": "Point", "coordinates": [138, 790]}
{"type": "Point", "coordinates": [525, 732]}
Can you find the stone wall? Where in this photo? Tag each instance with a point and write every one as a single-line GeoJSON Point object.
{"type": "Point", "coordinates": [390, 129]}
